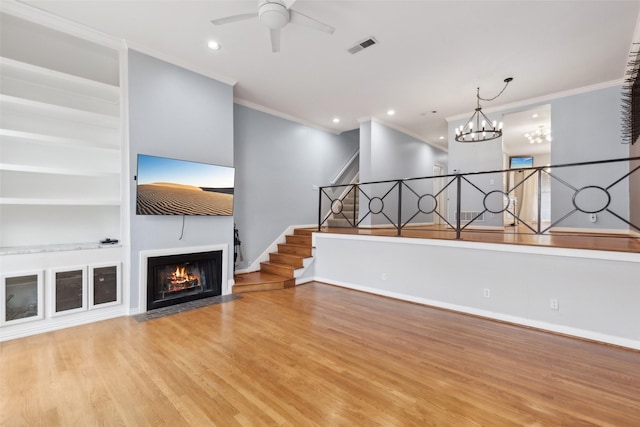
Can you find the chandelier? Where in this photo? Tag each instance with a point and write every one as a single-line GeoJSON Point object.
{"type": "Point", "coordinates": [539, 135]}
{"type": "Point", "coordinates": [479, 127]}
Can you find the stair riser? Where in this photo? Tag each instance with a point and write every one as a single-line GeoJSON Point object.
{"type": "Point", "coordinates": [299, 240]}
{"type": "Point", "coordinates": [293, 261]}
{"type": "Point", "coordinates": [302, 232]}
{"type": "Point", "coordinates": [305, 251]}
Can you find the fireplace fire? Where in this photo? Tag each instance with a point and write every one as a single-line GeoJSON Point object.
{"type": "Point", "coordinates": [180, 280]}
{"type": "Point", "coordinates": [174, 279]}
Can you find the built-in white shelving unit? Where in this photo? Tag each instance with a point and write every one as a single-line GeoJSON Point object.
{"type": "Point", "coordinates": [60, 141]}
{"type": "Point", "coordinates": [61, 168]}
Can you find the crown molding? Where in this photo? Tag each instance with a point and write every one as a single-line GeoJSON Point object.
{"type": "Point", "coordinates": [42, 17]}
{"type": "Point", "coordinates": [276, 113]}
{"type": "Point", "coordinates": [541, 99]}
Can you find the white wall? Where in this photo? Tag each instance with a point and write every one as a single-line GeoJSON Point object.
{"type": "Point", "coordinates": [176, 113]}
{"type": "Point", "coordinates": [521, 279]}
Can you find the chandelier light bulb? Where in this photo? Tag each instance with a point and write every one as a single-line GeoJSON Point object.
{"type": "Point", "coordinates": [500, 126]}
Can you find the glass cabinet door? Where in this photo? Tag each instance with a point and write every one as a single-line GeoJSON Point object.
{"type": "Point", "coordinates": [104, 287]}
{"type": "Point", "coordinates": [22, 296]}
{"type": "Point", "coordinates": [69, 290]}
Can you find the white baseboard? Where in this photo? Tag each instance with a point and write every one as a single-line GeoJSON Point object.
{"type": "Point", "coordinates": [62, 322]}
{"type": "Point", "coordinates": [561, 329]}
{"type": "Point", "coordinates": [305, 280]}
{"type": "Point", "coordinates": [484, 227]}
{"type": "Point", "coordinates": [576, 230]}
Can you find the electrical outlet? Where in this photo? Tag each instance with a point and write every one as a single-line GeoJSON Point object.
{"type": "Point", "coordinates": [486, 293]}
{"type": "Point", "coordinates": [593, 217]}
{"type": "Point", "coordinates": [553, 304]}
{"type": "Point", "coordinates": [384, 276]}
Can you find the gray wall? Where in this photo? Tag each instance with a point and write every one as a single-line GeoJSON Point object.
{"type": "Point", "coordinates": [634, 187]}
{"type": "Point", "coordinates": [586, 127]}
{"type": "Point", "coordinates": [521, 280]}
{"type": "Point", "coordinates": [476, 157]}
{"type": "Point", "coordinates": [387, 154]}
{"type": "Point", "coordinates": [176, 113]}
{"type": "Point", "coordinates": [277, 164]}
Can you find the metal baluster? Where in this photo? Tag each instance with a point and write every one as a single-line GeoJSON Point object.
{"type": "Point", "coordinates": [399, 184]}
{"type": "Point", "coordinates": [459, 207]}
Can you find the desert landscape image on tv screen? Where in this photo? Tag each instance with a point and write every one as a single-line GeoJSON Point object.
{"type": "Point", "coordinates": [180, 187]}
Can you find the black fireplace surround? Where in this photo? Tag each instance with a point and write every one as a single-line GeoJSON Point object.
{"type": "Point", "coordinates": [174, 279]}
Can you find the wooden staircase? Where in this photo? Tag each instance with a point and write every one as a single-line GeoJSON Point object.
{"type": "Point", "coordinates": [279, 271]}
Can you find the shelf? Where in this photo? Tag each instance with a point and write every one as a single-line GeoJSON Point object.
{"type": "Point", "coordinates": [58, 202]}
{"type": "Point", "coordinates": [61, 81]}
{"type": "Point", "coordinates": [65, 113]}
{"type": "Point", "coordinates": [36, 249]}
{"type": "Point", "coordinates": [37, 138]}
{"type": "Point", "coordinates": [61, 137]}
{"type": "Point", "coordinates": [55, 171]}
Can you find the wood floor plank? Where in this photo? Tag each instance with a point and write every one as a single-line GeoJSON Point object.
{"type": "Point", "coordinates": [315, 355]}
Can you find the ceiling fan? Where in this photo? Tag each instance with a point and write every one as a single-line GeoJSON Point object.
{"type": "Point", "coordinates": [275, 14]}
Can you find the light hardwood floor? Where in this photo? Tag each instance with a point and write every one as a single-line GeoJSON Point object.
{"type": "Point", "coordinates": [315, 355]}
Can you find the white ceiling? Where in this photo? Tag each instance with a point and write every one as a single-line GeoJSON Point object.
{"type": "Point", "coordinates": [431, 55]}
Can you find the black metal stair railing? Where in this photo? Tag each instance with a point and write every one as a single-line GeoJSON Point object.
{"type": "Point", "coordinates": [486, 200]}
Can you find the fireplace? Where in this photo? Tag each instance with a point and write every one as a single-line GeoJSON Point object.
{"type": "Point", "coordinates": [174, 279]}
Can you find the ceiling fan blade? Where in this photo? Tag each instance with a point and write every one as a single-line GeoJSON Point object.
{"type": "Point", "coordinates": [275, 41]}
{"type": "Point", "coordinates": [299, 18]}
{"type": "Point", "coordinates": [234, 18]}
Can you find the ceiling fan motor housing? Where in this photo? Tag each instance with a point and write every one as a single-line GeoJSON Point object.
{"type": "Point", "coordinates": [273, 15]}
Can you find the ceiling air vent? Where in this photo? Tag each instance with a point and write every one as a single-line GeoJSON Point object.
{"type": "Point", "coordinates": [363, 45]}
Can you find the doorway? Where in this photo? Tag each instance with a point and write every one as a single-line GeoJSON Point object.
{"type": "Point", "coordinates": [526, 141]}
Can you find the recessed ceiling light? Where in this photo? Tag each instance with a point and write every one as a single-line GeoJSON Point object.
{"type": "Point", "coordinates": [441, 137]}
{"type": "Point", "coordinates": [535, 116]}
{"type": "Point", "coordinates": [336, 120]}
{"type": "Point", "coordinates": [391, 112]}
{"type": "Point", "coordinates": [213, 45]}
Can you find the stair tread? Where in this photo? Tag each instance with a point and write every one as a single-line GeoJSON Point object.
{"type": "Point", "coordinates": [277, 264]}
{"type": "Point", "coordinates": [291, 256]}
{"type": "Point", "coordinates": [257, 277]}
{"type": "Point", "coordinates": [295, 245]}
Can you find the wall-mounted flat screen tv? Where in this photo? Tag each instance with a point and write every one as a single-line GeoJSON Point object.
{"type": "Point", "coordinates": [517, 162]}
{"type": "Point", "coordinates": [180, 187]}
